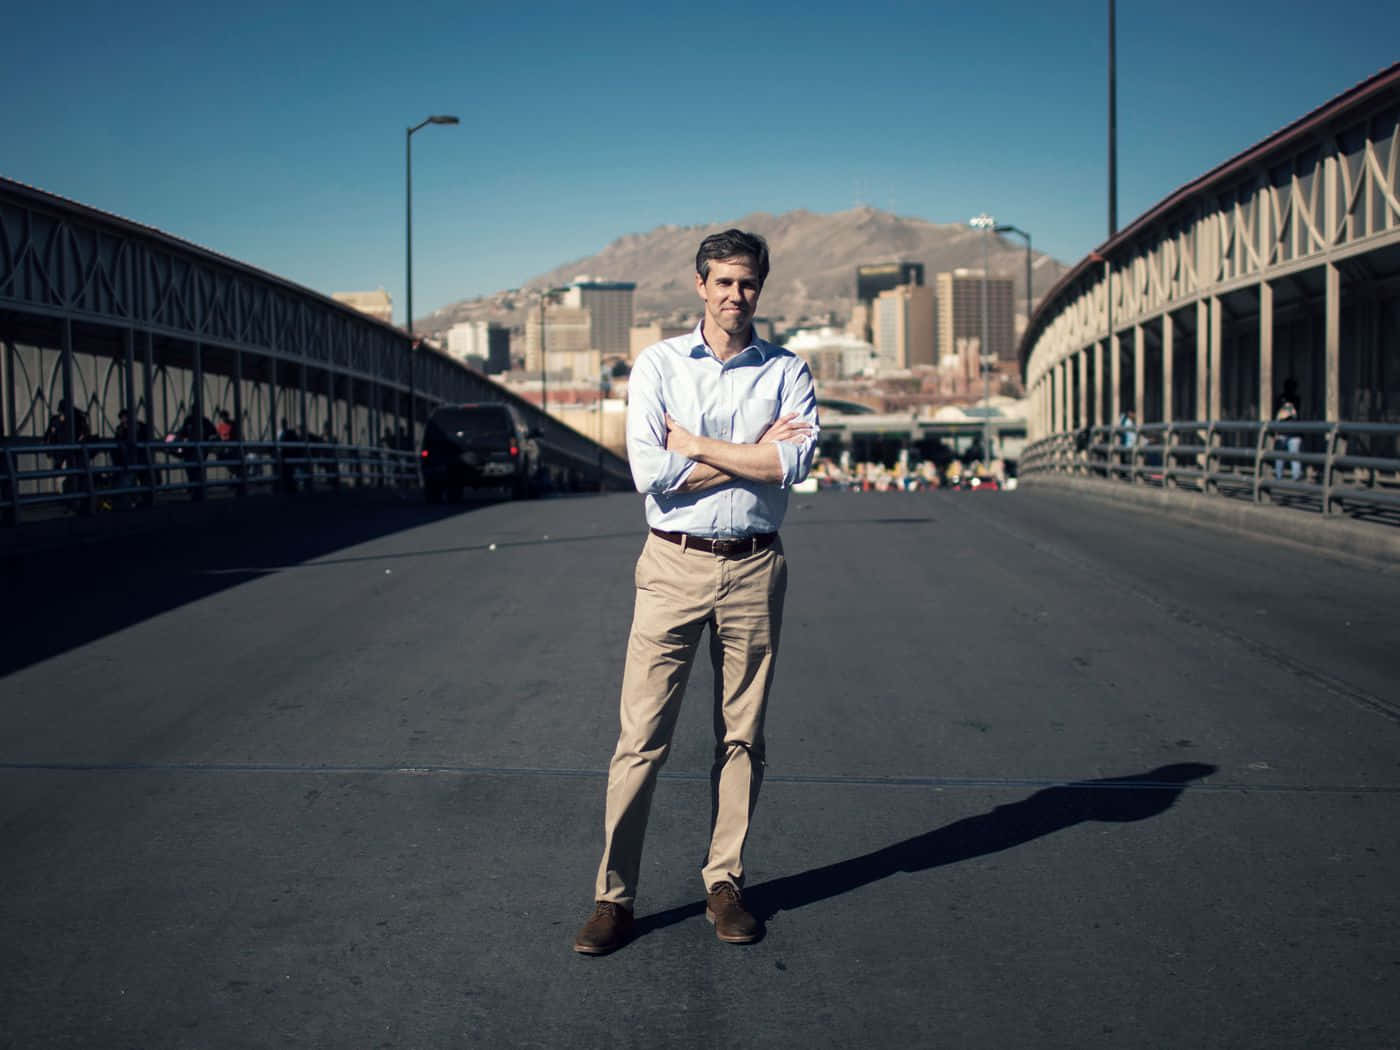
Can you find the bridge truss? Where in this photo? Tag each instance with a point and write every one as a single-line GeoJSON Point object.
{"type": "Point", "coordinates": [108, 315]}
{"type": "Point", "coordinates": [1280, 269]}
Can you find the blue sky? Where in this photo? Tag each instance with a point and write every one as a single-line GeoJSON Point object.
{"type": "Point", "coordinates": [274, 133]}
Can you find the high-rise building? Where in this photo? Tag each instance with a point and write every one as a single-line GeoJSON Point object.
{"type": "Point", "coordinates": [484, 340]}
{"type": "Point", "coordinates": [871, 280]}
{"type": "Point", "coordinates": [874, 278]}
{"type": "Point", "coordinates": [960, 315]}
{"type": "Point", "coordinates": [643, 335]}
{"type": "Point", "coordinates": [377, 304]}
{"type": "Point", "coordinates": [609, 304]}
{"type": "Point", "coordinates": [567, 328]}
{"type": "Point", "coordinates": [904, 328]}
{"type": "Point", "coordinates": [497, 350]}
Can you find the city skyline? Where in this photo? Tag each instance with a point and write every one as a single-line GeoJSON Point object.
{"type": "Point", "coordinates": [275, 136]}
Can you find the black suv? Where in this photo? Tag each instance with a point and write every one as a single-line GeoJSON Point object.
{"type": "Point", "coordinates": [482, 445]}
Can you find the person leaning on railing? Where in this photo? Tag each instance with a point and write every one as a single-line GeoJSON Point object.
{"type": "Point", "coordinates": [1285, 410]}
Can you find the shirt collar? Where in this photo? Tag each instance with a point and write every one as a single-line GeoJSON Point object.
{"type": "Point", "coordinates": [699, 348]}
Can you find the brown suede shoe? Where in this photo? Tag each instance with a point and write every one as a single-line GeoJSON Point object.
{"type": "Point", "coordinates": [607, 929]}
{"type": "Point", "coordinates": [724, 906]}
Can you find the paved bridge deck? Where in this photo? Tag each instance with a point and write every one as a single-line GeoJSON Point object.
{"type": "Point", "coordinates": [1042, 773]}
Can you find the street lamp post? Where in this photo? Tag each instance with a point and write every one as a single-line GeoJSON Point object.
{"type": "Point", "coordinates": [545, 296]}
{"type": "Point", "coordinates": [408, 258]}
{"type": "Point", "coordinates": [1022, 233]}
{"type": "Point", "coordinates": [986, 224]}
{"type": "Point", "coordinates": [603, 388]}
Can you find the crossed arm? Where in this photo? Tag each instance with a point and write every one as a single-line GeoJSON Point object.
{"type": "Point", "coordinates": [721, 462]}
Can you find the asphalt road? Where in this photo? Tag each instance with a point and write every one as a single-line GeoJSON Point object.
{"type": "Point", "coordinates": [1043, 773]}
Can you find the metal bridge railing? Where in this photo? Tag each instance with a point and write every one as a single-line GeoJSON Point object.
{"type": "Point", "coordinates": [96, 476]}
{"type": "Point", "coordinates": [1329, 467]}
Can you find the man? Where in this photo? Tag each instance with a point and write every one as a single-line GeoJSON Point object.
{"type": "Point", "coordinates": [720, 425]}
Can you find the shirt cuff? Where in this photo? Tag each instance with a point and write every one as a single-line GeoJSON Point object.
{"type": "Point", "coordinates": [687, 465]}
{"type": "Point", "coordinates": [668, 472]}
{"type": "Point", "coordinates": [790, 458]}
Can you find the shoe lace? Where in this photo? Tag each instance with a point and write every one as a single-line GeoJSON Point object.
{"type": "Point", "coordinates": [728, 893]}
{"type": "Point", "coordinates": [605, 910]}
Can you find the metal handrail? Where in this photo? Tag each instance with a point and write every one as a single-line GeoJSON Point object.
{"type": "Point", "coordinates": [37, 474]}
{"type": "Point", "coordinates": [1234, 456]}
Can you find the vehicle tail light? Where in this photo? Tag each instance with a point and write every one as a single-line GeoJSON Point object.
{"type": "Point", "coordinates": [424, 453]}
{"type": "Point", "coordinates": [514, 449]}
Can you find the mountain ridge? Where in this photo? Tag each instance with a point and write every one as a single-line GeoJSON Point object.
{"type": "Point", "coordinates": [814, 257]}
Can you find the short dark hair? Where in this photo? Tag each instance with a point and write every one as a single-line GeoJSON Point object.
{"type": "Point", "coordinates": [730, 245]}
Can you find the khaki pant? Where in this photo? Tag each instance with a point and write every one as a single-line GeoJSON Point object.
{"type": "Point", "coordinates": [679, 593]}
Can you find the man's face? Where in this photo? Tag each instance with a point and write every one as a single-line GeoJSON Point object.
{"type": "Point", "coordinates": [730, 293]}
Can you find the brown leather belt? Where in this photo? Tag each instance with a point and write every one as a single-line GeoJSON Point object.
{"type": "Point", "coordinates": [736, 548]}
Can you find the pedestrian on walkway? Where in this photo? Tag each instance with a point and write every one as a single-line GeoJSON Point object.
{"type": "Point", "coordinates": [720, 425]}
{"type": "Point", "coordinates": [1286, 411]}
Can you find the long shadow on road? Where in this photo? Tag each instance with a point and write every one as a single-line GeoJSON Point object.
{"type": "Point", "coordinates": [56, 600]}
{"type": "Point", "coordinates": [1114, 799]}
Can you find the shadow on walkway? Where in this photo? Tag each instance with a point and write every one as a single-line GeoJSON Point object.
{"type": "Point", "coordinates": [61, 598]}
{"type": "Point", "coordinates": [1116, 800]}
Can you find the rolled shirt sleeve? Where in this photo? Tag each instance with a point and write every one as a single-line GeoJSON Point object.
{"type": "Point", "coordinates": [800, 396]}
{"type": "Point", "coordinates": [655, 471]}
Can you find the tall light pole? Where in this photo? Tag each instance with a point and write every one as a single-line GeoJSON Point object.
{"type": "Point", "coordinates": [1112, 120]}
{"type": "Point", "coordinates": [986, 224]}
{"type": "Point", "coordinates": [545, 296]}
{"type": "Point", "coordinates": [408, 258]}
{"type": "Point", "coordinates": [1004, 228]}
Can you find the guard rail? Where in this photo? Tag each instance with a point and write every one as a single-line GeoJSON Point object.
{"type": "Point", "coordinates": [94, 476]}
{"type": "Point", "coordinates": [1331, 467]}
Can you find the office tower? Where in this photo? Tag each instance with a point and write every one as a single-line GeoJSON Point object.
{"type": "Point", "coordinates": [960, 315]}
{"type": "Point", "coordinates": [871, 280]}
{"type": "Point", "coordinates": [566, 328]}
{"type": "Point", "coordinates": [904, 328]}
{"type": "Point", "coordinates": [643, 335]}
{"type": "Point", "coordinates": [485, 340]}
{"type": "Point", "coordinates": [609, 304]}
{"type": "Point", "coordinates": [874, 278]}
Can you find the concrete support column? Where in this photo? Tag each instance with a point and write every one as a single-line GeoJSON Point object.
{"type": "Point", "coordinates": [197, 394]}
{"type": "Point", "coordinates": [1215, 356]}
{"type": "Point", "coordinates": [7, 394]}
{"type": "Point", "coordinates": [1168, 365]}
{"type": "Point", "coordinates": [1081, 364]}
{"type": "Point", "coordinates": [197, 407]}
{"type": "Point", "coordinates": [301, 384]}
{"type": "Point", "coordinates": [1202, 406]}
{"type": "Point", "coordinates": [1332, 343]}
{"type": "Point", "coordinates": [67, 336]}
{"type": "Point", "coordinates": [1061, 374]}
{"type": "Point", "coordinates": [238, 392]}
{"type": "Point", "coordinates": [1098, 384]}
{"type": "Point", "coordinates": [129, 377]}
{"type": "Point", "coordinates": [1266, 350]}
{"type": "Point", "coordinates": [1067, 402]}
{"type": "Point", "coordinates": [148, 353]}
{"type": "Point", "coordinates": [1139, 383]}
{"type": "Point", "coordinates": [1115, 378]}
{"type": "Point", "coordinates": [274, 397]}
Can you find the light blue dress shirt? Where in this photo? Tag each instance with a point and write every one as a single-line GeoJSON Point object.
{"type": "Point", "coordinates": [732, 401]}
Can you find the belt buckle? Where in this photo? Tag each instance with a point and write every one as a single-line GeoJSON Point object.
{"type": "Point", "coordinates": [725, 548]}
